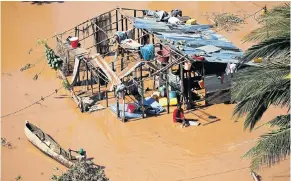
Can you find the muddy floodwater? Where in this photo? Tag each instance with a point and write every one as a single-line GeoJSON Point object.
{"type": "Point", "coordinates": [145, 150]}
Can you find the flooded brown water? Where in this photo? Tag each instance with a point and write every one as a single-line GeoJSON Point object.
{"type": "Point", "coordinates": [146, 150]}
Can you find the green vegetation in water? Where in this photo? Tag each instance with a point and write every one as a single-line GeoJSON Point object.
{"type": "Point", "coordinates": [226, 21]}
{"type": "Point", "coordinates": [82, 172]}
{"type": "Point", "coordinates": [66, 84]}
{"type": "Point", "coordinates": [53, 60]}
{"type": "Point", "coordinates": [18, 178]}
{"type": "Point", "coordinates": [5, 143]}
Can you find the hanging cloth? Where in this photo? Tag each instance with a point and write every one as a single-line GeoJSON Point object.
{"type": "Point", "coordinates": [148, 52]}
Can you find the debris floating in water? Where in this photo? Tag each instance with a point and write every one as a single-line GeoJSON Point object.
{"type": "Point", "coordinates": [27, 66]}
{"type": "Point", "coordinates": [226, 21]}
{"type": "Point", "coordinates": [83, 171]}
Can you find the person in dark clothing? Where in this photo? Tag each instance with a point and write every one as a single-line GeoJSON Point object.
{"type": "Point", "coordinates": [178, 116]}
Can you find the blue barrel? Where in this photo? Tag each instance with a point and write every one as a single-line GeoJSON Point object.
{"type": "Point", "coordinates": [173, 94]}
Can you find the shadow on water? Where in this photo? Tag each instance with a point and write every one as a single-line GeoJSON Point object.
{"type": "Point", "coordinates": [42, 2]}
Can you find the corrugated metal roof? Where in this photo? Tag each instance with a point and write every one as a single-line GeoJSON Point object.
{"type": "Point", "coordinates": [193, 37]}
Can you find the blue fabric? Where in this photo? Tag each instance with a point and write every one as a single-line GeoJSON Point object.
{"type": "Point", "coordinates": [121, 35]}
{"type": "Point", "coordinates": [148, 52]}
{"type": "Point", "coordinates": [157, 108]}
{"type": "Point", "coordinates": [127, 114]}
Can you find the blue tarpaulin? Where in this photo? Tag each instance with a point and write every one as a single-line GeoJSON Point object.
{"type": "Point", "coordinates": [193, 36]}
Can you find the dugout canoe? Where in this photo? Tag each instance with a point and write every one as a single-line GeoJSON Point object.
{"type": "Point", "coordinates": [47, 144]}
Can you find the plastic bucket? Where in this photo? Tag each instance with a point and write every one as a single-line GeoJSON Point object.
{"type": "Point", "coordinates": [74, 42]}
{"type": "Point", "coordinates": [201, 84]}
{"type": "Point", "coordinates": [163, 56]}
{"type": "Point", "coordinates": [173, 94]}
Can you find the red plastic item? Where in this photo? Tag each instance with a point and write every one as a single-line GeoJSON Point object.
{"type": "Point", "coordinates": [201, 84]}
{"type": "Point", "coordinates": [74, 42]}
{"type": "Point", "coordinates": [198, 58]}
{"type": "Point", "coordinates": [131, 108]}
{"type": "Point", "coordinates": [164, 56]}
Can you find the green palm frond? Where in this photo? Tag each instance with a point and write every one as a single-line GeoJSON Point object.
{"type": "Point", "coordinates": [256, 88]}
{"type": "Point", "coordinates": [276, 47]}
{"type": "Point", "coordinates": [281, 121]}
{"type": "Point", "coordinates": [270, 149]}
{"type": "Point", "coordinates": [276, 26]}
{"type": "Point", "coordinates": [275, 23]}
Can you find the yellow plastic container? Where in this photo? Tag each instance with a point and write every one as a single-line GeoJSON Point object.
{"type": "Point", "coordinates": [191, 22]}
{"type": "Point", "coordinates": [288, 76]}
{"type": "Point", "coordinates": [163, 101]}
{"type": "Point", "coordinates": [258, 60]}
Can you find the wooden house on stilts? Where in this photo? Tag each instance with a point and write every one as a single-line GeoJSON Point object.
{"type": "Point", "coordinates": [121, 49]}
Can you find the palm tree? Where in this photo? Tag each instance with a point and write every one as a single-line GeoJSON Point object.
{"type": "Point", "coordinates": [257, 88]}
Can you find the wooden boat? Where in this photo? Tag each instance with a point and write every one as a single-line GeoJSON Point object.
{"type": "Point", "coordinates": [47, 144]}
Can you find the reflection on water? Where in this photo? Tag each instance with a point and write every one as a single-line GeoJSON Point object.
{"type": "Point", "coordinates": [145, 150]}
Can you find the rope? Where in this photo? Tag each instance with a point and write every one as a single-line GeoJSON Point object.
{"type": "Point", "coordinates": [255, 4]}
{"type": "Point", "coordinates": [41, 99]}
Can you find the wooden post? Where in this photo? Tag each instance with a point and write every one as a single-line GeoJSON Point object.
{"type": "Point", "coordinates": [116, 20]}
{"type": "Point", "coordinates": [134, 15]}
{"type": "Point", "coordinates": [99, 80]}
{"type": "Point", "coordinates": [127, 58]}
{"type": "Point", "coordinates": [142, 94]}
{"type": "Point", "coordinates": [110, 21]}
{"type": "Point", "coordinates": [154, 86]}
{"type": "Point", "coordinates": [122, 59]}
{"type": "Point", "coordinates": [106, 93]}
{"type": "Point", "coordinates": [123, 107]}
{"type": "Point", "coordinates": [138, 35]}
{"type": "Point", "coordinates": [91, 80]}
{"type": "Point", "coordinates": [182, 82]}
{"type": "Point", "coordinates": [126, 24]}
{"type": "Point", "coordinates": [117, 106]}
{"type": "Point", "coordinates": [189, 88]}
{"type": "Point", "coordinates": [122, 26]}
{"type": "Point", "coordinates": [87, 76]}
{"type": "Point", "coordinates": [95, 35]}
{"type": "Point", "coordinates": [153, 39]}
{"type": "Point", "coordinates": [167, 90]}
{"type": "Point", "coordinates": [112, 65]}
